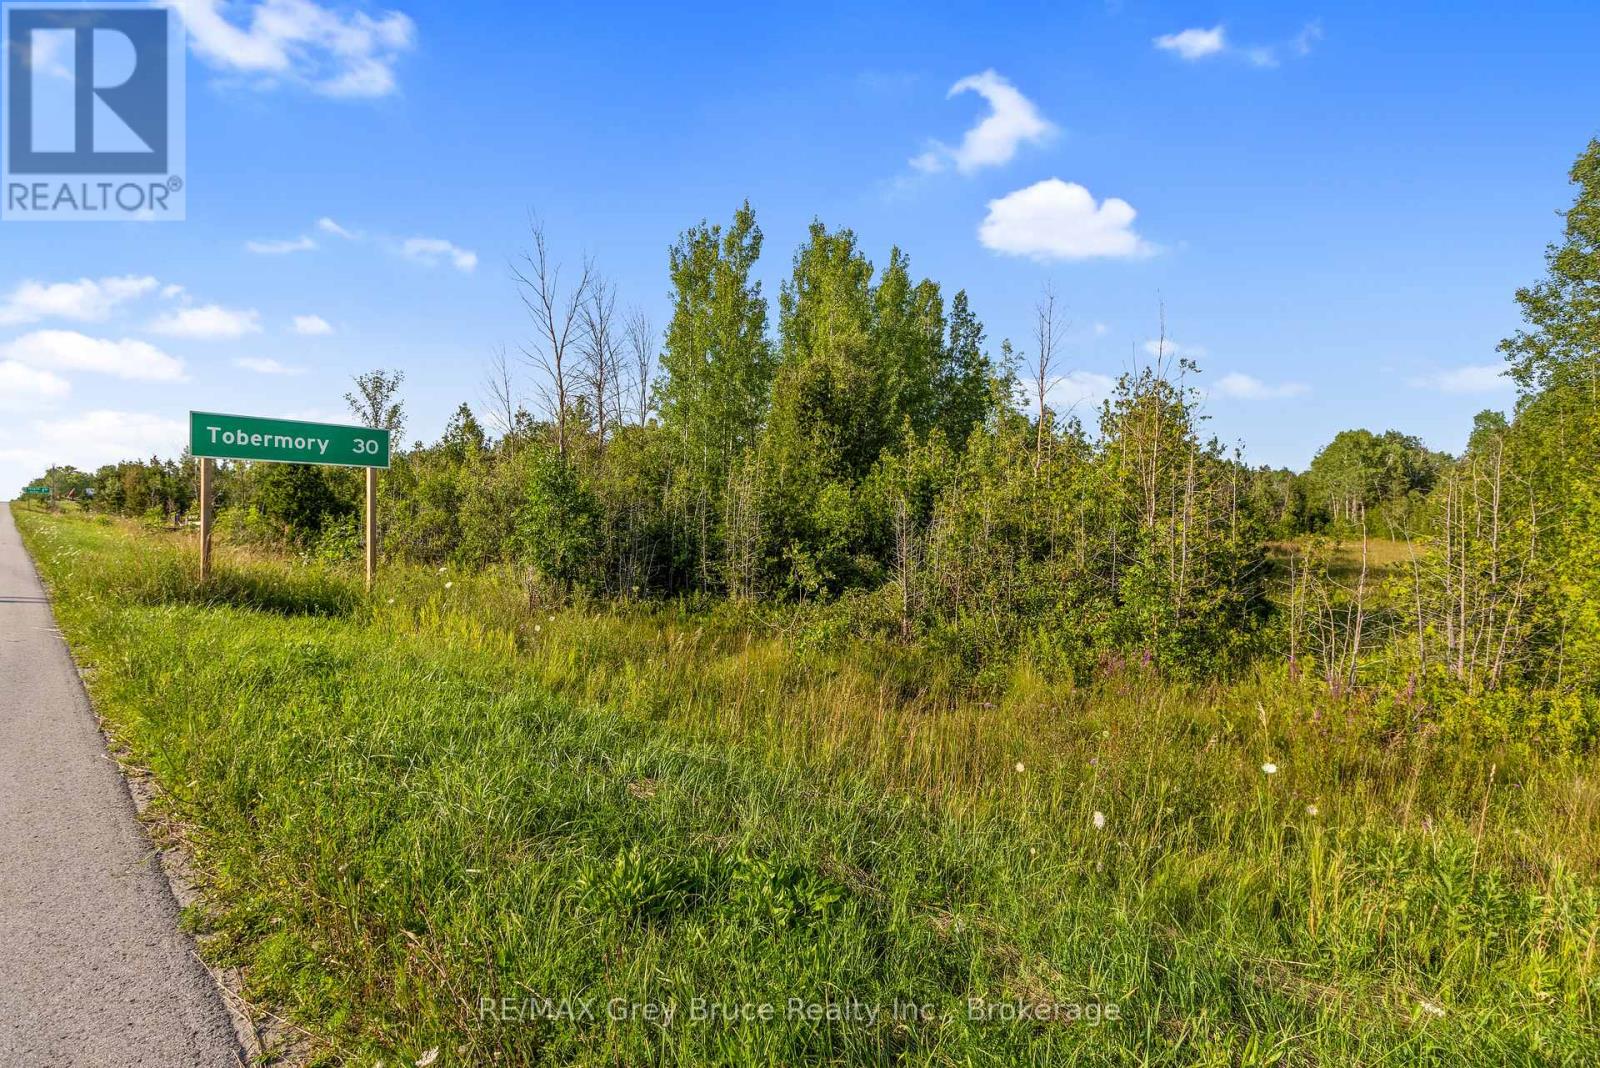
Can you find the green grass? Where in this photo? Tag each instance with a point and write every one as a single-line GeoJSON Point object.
{"type": "Point", "coordinates": [402, 806]}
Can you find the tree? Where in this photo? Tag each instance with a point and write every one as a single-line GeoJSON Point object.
{"type": "Point", "coordinates": [964, 389]}
{"type": "Point", "coordinates": [717, 375]}
{"type": "Point", "coordinates": [641, 341]}
{"type": "Point", "coordinates": [1555, 360]}
{"type": "Point", "coordinates": [829, 399]}
{"type": "Point", "coordinates": [1048, 330]}
{"type": "Point", "coordinates": [500, 386]}
{"type": "Point", "coordinates": [557, 323]}
{"type": "Point", "coordinates": [1561, 344]}
{"type": "Point", "coordinates": [373, 401]}
{"type": "Point", "coordinates": [907, 345]}
{"type": "Point", "coordinates": [599, 368]}
{"type": "Point", "coordinates": [296, 499]}
{"type": "Point", "coordinates": [718, 363]}
{"type": "Point", "coordinates": [1359, 472]}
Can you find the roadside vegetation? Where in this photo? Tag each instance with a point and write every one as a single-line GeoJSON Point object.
{"type": "Point", "coordinates": [832, 662]}
{"type": "Point", "coordinates": [403, 805]}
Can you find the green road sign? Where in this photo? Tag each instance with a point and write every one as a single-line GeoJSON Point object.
{"type": "Point", "coordinates": [42, 491]}
{"type": "Point", "coordinates": [286, 441]}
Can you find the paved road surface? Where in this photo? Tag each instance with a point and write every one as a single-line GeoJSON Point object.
{"type": "Point", "coordinates": [93, 969]}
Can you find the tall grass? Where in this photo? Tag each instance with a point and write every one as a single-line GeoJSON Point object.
{"type": "Point", "coordinates": [404, 808]}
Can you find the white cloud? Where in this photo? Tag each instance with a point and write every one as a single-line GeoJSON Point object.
{"type": "Point", "coordinates": [1196, 44]}
{"type": "Point", "coordinates": [1193, 44]}
{"type": "Point", "coordinates": [1474, 378]}
{"type": "Point", "coordinates": [1246, 387]}
{"type": "Point", "coordinates": [433, 251]}
{"type": "Point", "coordinates": [210, 322]}
{"type": "Point", "coordinates": [281, 248]}
{"type": "Point", "coordinates": [1060, 220]}
{"type": "Point", "coordinates": [1101, 329]}
{"type": "Point", "coordinates": [328, 226]}
{"type": "Point", "coordinates": [1159, 347]}
{"type": "Point", "coordinates": [342, 53]}
{"type": "Point", "coordinates": [67, 350]}
{"type": "Point", "coordinates": [1079, 390]}
{"type": "Point", "coordinates": [1308, 36]}
{"type": "Point", "coordinates": [312, 325]}
{"type": "Point", "coordinates": [23, 388]}
{"type": "Point", "coordinates": [263, 366]}
{"type": "Point", "coordinates": [89, 439]}
{"type": "Point", "coordinates": [87, 300]}
{"type": "Point", "coordinates": [1012, 122]}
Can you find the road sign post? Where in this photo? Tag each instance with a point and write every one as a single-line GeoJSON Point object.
{"type": "Point", "coordinates": [214, 436]}
{"type": "Point", "coordinates": [206, 515]}
{"type": "Point", "coordinates": [371, 539]}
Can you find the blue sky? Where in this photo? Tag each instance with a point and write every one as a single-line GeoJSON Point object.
{"type": "Point", "coordinates": [1334, 203]}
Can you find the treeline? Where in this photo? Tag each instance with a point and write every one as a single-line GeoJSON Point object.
{"type": "Point", "coordinates": [869, 453]}
{"type": "Point", "coordinates": [865, 451]}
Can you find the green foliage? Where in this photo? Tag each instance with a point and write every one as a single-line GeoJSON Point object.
{"type": "Point", "coordinates": [295, 500]}
{"type": "Point", "coordinates": [553, 532]}
{"type": "Point", "coordinates": [1364, 479]}
{"type": "Point", "coordinates": [1556, 362]}
{"type": "Point", "coordinates": [718, 364]}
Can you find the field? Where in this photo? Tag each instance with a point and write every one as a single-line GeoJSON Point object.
{"type": "Point", "coordinates": [430, 820]}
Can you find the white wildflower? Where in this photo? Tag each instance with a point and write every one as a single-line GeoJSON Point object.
{"type": "Point", "coordinates": [1311, 810]}
{"type": "Point", "coordinates": [1099, 820]}
{"type": "Point", "coordinates": [1270, 768]}
{"type": "Point", "coordinates": [1020, 767]}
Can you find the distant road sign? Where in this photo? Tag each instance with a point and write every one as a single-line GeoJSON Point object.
{"type": "Point", "coordinates": [286, 441]}
{"type": "Point", "coordinates": [40, 491]}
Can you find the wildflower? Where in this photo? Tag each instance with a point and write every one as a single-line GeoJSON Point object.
{"type": "Point", "coordinates": [1099, 820]}
{"type": "Point", "coordinates": [1431, 1009]}
{"type": "Point", "coordinates": [1311, 810]}
{"type": "Point", "coordinates": [552, 619]}
{"type": "Point", "coordinates": [428, 1058]}
{"type": "Point", "coordinates": [1270, 768]}
{"type": "Point", "coordinates": [1020, 767]}
{"type": "Point", "coordinates": [1032, 852]}
{"type": "Point", "coordinates": [447, 585]}
{"type": "Point", "coordinates": [391, 600]}
{"type": "Point", "coordinates": [537, 628]}
{"type": "Point", "coordinates": [441, 571]}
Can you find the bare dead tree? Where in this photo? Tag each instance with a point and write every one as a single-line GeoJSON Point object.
{"type": "Point", "coordinates": [1047, 338]}
{"type": "Point", "coordinates": [557, 321]}
{"type": "Point", "coordinates": [597, 346]}
{"type": "Point", "coordinates": [641, 336]}
{"type": "Point", "coordinates": [500, 394]}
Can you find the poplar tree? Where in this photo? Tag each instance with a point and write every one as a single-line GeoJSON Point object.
{"type": "Point", "coordinates": [718, 363]}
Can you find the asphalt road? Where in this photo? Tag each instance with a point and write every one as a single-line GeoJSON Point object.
{"type": "Point", "coordinates": [93, 968]}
